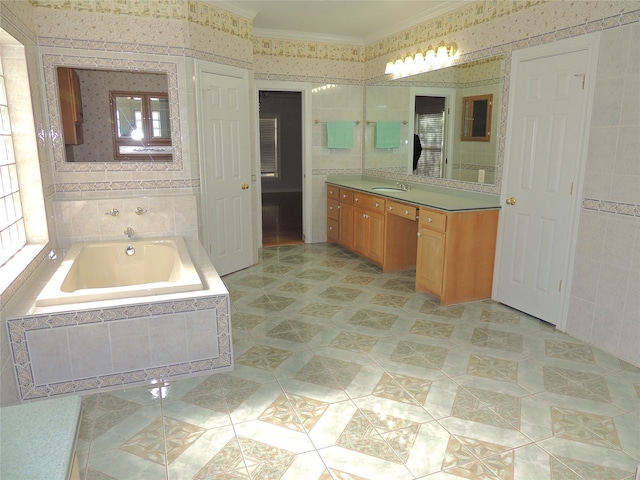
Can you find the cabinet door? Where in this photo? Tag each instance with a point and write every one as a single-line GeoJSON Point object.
{"type": "Point", "coordinates": [70, 106]}
{"type": "Point", "coordinates": [376, 237]}
{"type": "Point", "coordinates": [346, 225]}
{"type": "Point", "coordinates": [430, 261]}
{"type": "Point", "coordinates": [360, 231]}
{"type": "Point", "coordinates": [333, 231]}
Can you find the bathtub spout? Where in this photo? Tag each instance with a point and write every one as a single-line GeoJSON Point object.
{"type": "Point", "coordinates": [128, 232]}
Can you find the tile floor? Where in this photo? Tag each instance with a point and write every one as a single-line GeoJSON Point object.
{"type": "Point", "coordinates": [343, 372]}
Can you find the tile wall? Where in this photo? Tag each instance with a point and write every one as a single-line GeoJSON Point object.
{"type": "Point", "coordinates": [605, 299]}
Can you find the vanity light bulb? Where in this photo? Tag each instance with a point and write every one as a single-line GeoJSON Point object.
{"type": "Point", "coordinates": [430, 58]}
{"type": "Point", "coordinates": [389, 67]}
{"type": "Point", "coordinates": [408, 65]}
{"type": "Point", "coordinates": [442, 54]}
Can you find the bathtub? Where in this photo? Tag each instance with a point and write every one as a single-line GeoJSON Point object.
{"type": "Point", "coordinates": [114, 270]}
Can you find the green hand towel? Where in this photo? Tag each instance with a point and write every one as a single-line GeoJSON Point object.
{"type": "Point", "coordinates": [387, 134]}
{"type": "Point", "coordinates": [339, 134]}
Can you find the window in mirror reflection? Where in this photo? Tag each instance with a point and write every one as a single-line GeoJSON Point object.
{"type": "Point", "coordinates": [142, 129]}
{"type": "Point", "coordinates": [429, 128]}
{"type": "Point", "coordinates": [476, 118]}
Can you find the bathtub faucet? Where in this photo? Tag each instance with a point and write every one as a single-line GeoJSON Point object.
{"type": "Point", "coordinates": [128, 232]}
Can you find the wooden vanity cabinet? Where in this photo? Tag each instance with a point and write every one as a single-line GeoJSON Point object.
{"type": "Point", "coordinates": [70, 106]}
{"type": "Point", "coordinates": [333, 214]}
{"type": "Point", "coordinates": [456, 251]}
{"type": "Point", "coordinates": [345, 222]}
{"type": "Point", "coordinates": [400, 246]}
{"type": "Point", "coordinates": [369, 226]}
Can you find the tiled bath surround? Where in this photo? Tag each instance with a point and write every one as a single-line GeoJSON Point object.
{"type": "Point", "coordinates": [104, 345]}
{"type": "Point", "coordinates": [184, 31]}
{"type": "Point", "coordinates": [86, 220]}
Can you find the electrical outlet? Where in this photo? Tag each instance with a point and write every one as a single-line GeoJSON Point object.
{"type": "Point", "coordinates": [481, 175]}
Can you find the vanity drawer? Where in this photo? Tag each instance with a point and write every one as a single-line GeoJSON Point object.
{"type": "Point", "coordinates": [402, 210]}
{"type": "Point", "coordinates": [369, 202]}
{"type": "Point", "coordinates": [333, 192]}
{"type": "Point", "coordinates": [333, 207]}
{"type": "Point", "coordinates": [433, 220]}
{"type": "Point", "coordinates": [346, 196]}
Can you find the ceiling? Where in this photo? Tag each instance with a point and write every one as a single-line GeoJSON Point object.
{"type": "Point", "coordinates": [353, 22]}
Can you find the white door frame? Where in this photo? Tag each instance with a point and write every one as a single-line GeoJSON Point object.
{"type": "Point", "coordinates": [201, 66]}
{"type": "Point", "coordinates": [307, 178]}
{"type": "Point", "coordinates": [591, 43]}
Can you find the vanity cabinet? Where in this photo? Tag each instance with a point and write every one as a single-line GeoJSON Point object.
{"type": "Point", "coordinates": [340, 227]}
{"type": "Point", "coordinates": [369, 226]}
{"type": "Point", "coordinates": [455, 254]}
{"type": "Point", "coordinates": [70, 106]}
{"type": "Point", "coordinates": [333, 214]}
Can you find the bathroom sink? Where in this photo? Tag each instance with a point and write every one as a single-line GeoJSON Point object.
{"type": "Point", "coordinates": [388, 189]}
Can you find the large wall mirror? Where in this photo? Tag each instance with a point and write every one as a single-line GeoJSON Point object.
{"type": "Point", "coordinates": [430, 109]}
{"type": "Point", "coordinates": [94, 118]}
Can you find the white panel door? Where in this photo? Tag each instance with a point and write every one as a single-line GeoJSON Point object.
{"type": "Point", "coordinates": [544, 154]}
{"type": "Point", "coordinates": [226, 170]}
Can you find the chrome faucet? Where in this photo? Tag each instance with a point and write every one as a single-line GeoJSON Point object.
{"type": "Point", "coordinates": [128, 232]}
{"type": "Point", "coordinates": [404, 186]}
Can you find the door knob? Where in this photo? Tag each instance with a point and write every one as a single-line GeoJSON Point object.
{"type": "Point", "coordinates": [245, 186]}
{"type": "Point", "coordinates": [511, 201]}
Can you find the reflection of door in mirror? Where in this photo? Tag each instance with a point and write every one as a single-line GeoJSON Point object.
{"type": "Point", "coordinates": [429, 126]}
{"type": "Point", "coordinates": [476, 118]}
{"type": "Point", "coordinates": [141, 125]}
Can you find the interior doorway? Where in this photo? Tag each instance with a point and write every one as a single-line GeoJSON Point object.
{"type": "Point", "coordinates": [281, 170]}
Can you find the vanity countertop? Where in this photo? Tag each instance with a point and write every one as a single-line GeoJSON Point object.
{"type": "Point", "coordinates": [38, 439]}
{"type": "Point", "coordinates": [441, 198]}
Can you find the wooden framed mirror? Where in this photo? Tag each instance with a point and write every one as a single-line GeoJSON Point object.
{"type": "Point", "coordinates": [476, 118]}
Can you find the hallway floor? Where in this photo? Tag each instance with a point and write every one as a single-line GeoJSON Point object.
{"type": "Point", "coordinates": [343, 372]}
{"type": "Point", "coordinates": [281, 218]}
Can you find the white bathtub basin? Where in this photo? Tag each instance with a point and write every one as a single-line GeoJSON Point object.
{"type": "Point", "coordinates": [104, 271]}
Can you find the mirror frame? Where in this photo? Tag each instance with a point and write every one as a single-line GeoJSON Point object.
{"type": "Point", "coordinates": [51, 62]}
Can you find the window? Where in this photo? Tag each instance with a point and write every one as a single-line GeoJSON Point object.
{"type": "Point", "coordinates": [269, 146]}
{"type": "Point", "coordinates": [142, 129]}
{"type": "Point", "coordinates": [23, 235]}
{"type": "Point", "coordinates": [430, 129]}
{"type": "Point", "coordinates": [12, 231]}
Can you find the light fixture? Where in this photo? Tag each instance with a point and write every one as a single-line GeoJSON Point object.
{"type": "Point", "coordinates": [422, 61]}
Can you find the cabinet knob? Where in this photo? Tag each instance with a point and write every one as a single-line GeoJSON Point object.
{"type": "Point", "coordinates": [419, 234]}
{"type": "Point", "coordinates": [330, 208]}
{"type": "Point", "coordinates": [355, 199]}
{"type": "Point", "coordinates": [390, 208]}
{"type": "Point", "coordinates": [429, 219]}
{"type": "Point", "coordinates": [406, 212]}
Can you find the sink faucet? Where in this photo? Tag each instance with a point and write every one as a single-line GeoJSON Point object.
{"type": "Point", "coordinates": [404, 186]}
{"type": "Point", "coordinates": [128, 232]}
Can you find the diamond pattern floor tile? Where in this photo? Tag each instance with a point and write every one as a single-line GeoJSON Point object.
{"type": "Point", "coordinates": [374, 380]}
